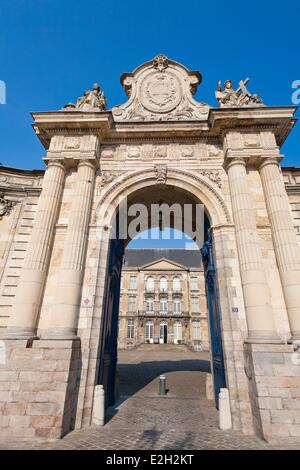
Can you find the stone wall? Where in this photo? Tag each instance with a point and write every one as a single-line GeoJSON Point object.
{"type": "Point", "coordinates": [39, 385]}
{"type": "Point", "coordinates": [274, 386]}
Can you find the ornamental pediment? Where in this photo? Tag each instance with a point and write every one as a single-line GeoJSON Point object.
{"type": "Point", "coordinates": [161, 90]}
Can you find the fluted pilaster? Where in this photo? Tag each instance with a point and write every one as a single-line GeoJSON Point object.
{"type": "Point", "coordinates": [259, 314]}
{"type": "Point", "coordinates": [22, 322]}
{"type": "Point", "coordinates": [285, 242]}
{"type": "Point", "coordinates": [62, 318]}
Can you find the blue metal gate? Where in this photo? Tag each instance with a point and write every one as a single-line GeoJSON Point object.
{"type": "Point", "coordinates": [110, 313]}
{"type": "Point", "coordinates": [212, 296]}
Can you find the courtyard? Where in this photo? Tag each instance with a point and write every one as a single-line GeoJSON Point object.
{"type": "Point", "coordinates": [182, 420]}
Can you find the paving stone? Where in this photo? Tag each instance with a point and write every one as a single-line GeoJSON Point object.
{"type": "Point", "coordinates": [184, 419]}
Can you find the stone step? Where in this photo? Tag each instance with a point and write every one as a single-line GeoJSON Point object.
{"type": "Point", "coordinates": [162, 347]}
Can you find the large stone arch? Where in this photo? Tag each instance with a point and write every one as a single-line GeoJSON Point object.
{"type": "Point", "coordinates": [220, 220]}
{"type": "Point", "coordinates": [197, 185]}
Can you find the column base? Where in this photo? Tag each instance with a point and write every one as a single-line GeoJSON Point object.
{"type": "Point", "coordinates": [295, 339]}
{"type": "Point", "coordinates": [267, 338]}
{"type": "Point", "coordinates": [59, 334]}
{"type": "Point", "coordinates": [17, 332]}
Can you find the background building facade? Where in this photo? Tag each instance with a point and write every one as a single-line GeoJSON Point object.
{"type": "Point", "coordinates": [163, 299]}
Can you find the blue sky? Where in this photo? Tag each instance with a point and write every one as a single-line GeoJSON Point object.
{"type": "Point", "coordinates": [168, 238]}
{"type": "Point", "coordinates": [52, 50]}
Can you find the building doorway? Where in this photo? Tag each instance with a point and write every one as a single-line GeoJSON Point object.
{"type": "Point", "coordinates": [163, 333]}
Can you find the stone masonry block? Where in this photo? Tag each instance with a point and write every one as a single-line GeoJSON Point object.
{"type": "Point", "coordinates": [285, 417]}
{"type": "Point", "coordinates": [49, 409]}
{"type": "Point", "coordinates": [50, 397]}
{"type": "Point", "coordinates": [15, 408]}
{"type": "Point", "coordinates": [43, 421]}
{"type": "Point", "coordinates": [270, 403]}
{"type": "Point", "coordinates": [291, 404]}
{"type": "Point", "coordinates": [262, 359]}
{"type": "Point", "coordinates": [286, 370]}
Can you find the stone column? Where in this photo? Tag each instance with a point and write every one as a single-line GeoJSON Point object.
{"type": "Point", "coordinates": [22, 322]}
{"type": "Point", "coordinates": [259, 314]}
{"type": "Point", "coordinates": [61, 322]}
{"type": "Point", "coordinates": [284, 238]}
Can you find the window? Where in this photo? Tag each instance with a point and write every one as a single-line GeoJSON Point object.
{"type": "Point", "coordinates": [163, 306]}
{"type": "Point", "coordinates": [176, 284]}
{"type": "Point", "coordinates": [149, 331]}
{"type": "Point", "coordinates": [195, 304]}
{"type": "Point", "coordinates": [130, 329]}
{"type": "Point", "coordinates": [150, 284]}
{"type": "Point", "coordinates": [196, 333]}
{"type": "Point", "coordinates": [163, 284]}
{"type": "Point", "coordinates": [132, 303]}
{"type": "Point", "coordinates": [194, 283]}
{"type": "Point", "coordinates": [177, 306]}
{"type": "Point", "coordinates": [132, 282]}
{"type": "Point", "coordinates": [177, 332]}
{"type": "Point", "coordinates": [150, 306]}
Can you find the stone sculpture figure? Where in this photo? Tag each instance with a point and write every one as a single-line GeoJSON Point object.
{"type": "Point", "coordinates": [5, 206]}
{"type": "Point", "coordinates": [230, 98]}
{"type": "Point", "coordinates": [92, 100]}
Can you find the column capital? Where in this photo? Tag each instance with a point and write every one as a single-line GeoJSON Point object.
{"type": "Point", "coordinates": [56, 162]}
{"type": "Point", "coordinates": [234, 160]}
{"type": "Point", "coordinates": [92, 163]}
{"type": "Point", "coordinates": [264, 161]}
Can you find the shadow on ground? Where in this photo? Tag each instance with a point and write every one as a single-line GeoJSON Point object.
{"type": "Point", "coordinates": [134, 377]}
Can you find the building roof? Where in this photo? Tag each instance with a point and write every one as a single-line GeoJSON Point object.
{"type": "Point", "coordinates": [139, 257]}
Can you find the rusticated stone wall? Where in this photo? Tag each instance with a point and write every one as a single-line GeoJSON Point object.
{"type": "Point", "coordinates": [274, 385]}
{"type": "Point", "coordinates": [39, 387]}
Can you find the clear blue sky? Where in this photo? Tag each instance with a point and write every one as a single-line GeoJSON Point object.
{"type": "Point", "coordinates": [52, 50]}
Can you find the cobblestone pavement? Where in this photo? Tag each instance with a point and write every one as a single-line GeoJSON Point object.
{"type": "Point", "coordinates": [184, 419]}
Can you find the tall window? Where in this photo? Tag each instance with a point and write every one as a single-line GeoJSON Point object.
{"type": "Point", "coordinates": [130, 329]}
{"type": "Point", "coordinates": [149, 305]}
{"type": "Point", "coordinates": [177, 332]}
{"type": "Point", "coordinates": [163, 284]}
{"type": "Point", "coordinates": [194, 283]}
{"type": "Point", "coordinates": [177, 306]}
{"type": "Point", "coordinates": [163, 306]}
{"type": "Point", "coordinates": [149, 330]}
{"type": "Point", "coordinates": [195, 305]}
{"type": "Point", "coordinates": [196, 330]}
{"type": "Point", "coordinates": [132, 282]}
{"type": "Point", "coordinates": [150, 284]}
{"type": "Point", "coordinates": [176, 284]}
{"type": "Point", "coordinates": [132, 303]}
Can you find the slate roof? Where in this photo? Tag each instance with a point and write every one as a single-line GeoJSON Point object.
{"type": "Point", "coordinates": [139, 257]}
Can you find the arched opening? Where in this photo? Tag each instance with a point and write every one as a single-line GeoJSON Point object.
{"type": "Point", "coordinates": [170, 209]}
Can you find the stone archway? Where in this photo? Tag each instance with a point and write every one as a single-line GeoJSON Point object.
{"type": "Point", "coordinates": [227, 158]}
{"type": "Point", "coordinates": [202, 191]}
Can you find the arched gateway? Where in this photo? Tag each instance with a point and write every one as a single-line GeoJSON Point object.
{"type": "Point", "coordinates": [60, 266]}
